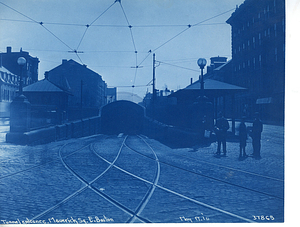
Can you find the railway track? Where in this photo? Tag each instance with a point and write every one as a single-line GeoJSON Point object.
{"type": "Point", "coordinates": [97, 168]}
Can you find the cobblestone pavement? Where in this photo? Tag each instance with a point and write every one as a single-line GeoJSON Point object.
{"type": "Point", "coordinates": [103, 179]}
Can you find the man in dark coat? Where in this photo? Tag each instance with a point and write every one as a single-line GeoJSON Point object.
{"type": "Point", "coordinates": [221, 128]}
{"type": "Point", "coordinates": [243, 137]}
{"type": "Point", "coordinates": [257, 129]}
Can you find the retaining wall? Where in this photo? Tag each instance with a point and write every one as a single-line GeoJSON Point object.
{"type": "Point", "coordinates": [76, 129]}
{"type": "Point", "coordinates": [171, 136]}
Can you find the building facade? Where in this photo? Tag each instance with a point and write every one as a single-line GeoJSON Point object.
{"type": "Point", "coordinates": [29, 72]}
{"type": "Point", "coordinates": [258, 57]}
{"type": "Point", "coordinates": [86, 86]}
{"type": "Point", "coordinates": [111, 94]}
{"type": "Point", "coordinates": [9, 84]}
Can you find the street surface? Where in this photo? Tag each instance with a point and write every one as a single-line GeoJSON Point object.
{"type": "Point", "coordinates": [134, 179]}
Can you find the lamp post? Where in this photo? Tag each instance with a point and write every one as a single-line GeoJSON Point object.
{"type": "Point", "coordinates": [201, 63]}
{"type": "Point", "coordinates": [21, 62]}
{"type": "Point", "coordinates": [19, 113]}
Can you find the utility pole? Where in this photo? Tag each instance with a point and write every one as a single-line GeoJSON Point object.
{"type": "Point", "coordinates": [81, 90]}
{"type": "Point", "coordinates": [153, 89]}
{"type": "Point", "coordinates": [153, 80]}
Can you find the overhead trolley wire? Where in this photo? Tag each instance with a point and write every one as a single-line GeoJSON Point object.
{"type": "Point", "coordinates": [137, 66]}
{"type": "Point", "coordinates": [133, 42]}
{"type": "Point", "coordinates": [109, 25]}
{"type": "Point", "coordinates": [42, 24]}
{"type": "Point", "coordinates": [19, 12]}
{"type": "Point", "coordinates": [178, 66]}
{"type": "Point", "coordinates": [88, 25]}
{"type": "Point", "coordinates": [184, 30]}
{"type": "Point", "coordinates": [201, 22]}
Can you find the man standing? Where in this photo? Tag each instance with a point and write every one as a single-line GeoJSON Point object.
{"type": "Point", "coordinates": [221, 128]}
{"type": "Point", "coordinates": [257, 129]}
{"type": "Point", "coordinates": [243, 137]}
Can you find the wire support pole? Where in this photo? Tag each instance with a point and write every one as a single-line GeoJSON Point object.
{"type": "Point", "coordinates": [153, 79]}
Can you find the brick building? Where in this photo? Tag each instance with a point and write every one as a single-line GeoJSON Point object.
{"type": "Point", "coordinates": [258, 57]}
{"type": "Point", "coordinates": [9, 84]}
{"type": "Point", "coordinates": [30, 71]}
{"type": "Point", "coordinates": [86, 86]}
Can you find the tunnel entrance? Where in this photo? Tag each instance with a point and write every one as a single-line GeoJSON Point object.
{"type": "Point", "coordinates": [122, 117]}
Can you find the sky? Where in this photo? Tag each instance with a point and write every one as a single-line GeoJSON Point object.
{"type": "Point", "coordinates": [117, 39]}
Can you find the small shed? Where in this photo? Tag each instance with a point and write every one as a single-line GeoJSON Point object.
{"type": "Point", "coordinates": [49, 103]}
{"type": "Point", "coordinates": [215, 91]}
{"type": "Point", "coordinates": [212, 89]}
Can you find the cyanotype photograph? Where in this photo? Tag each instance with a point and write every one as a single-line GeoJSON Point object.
{"type": "Point", "coordinates": [142, 111]}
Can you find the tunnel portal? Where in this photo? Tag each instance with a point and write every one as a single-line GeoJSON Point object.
{"type": "Point", "coordinates": [122, 117]}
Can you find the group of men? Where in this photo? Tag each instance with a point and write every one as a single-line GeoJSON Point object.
{"type": "Point", "coordinates": [222, 126]}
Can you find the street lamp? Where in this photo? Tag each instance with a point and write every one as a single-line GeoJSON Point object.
{"type": "Point", "coordinates": [21, 62]}
{"type": "Point", "coordinates": [201, 63]}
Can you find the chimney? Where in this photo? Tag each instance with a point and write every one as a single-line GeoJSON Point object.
{"type": "Point", "coordinates": [64, 61]}
{"type": "Point", "coordinates": [191, 80]}
{"type": "Point", "coordinates": [8, 49]}
{"type": "Point", "coordinates": [46, 75]}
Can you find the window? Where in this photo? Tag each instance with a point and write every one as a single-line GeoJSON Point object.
{"type": "Point", "coordinates": [259, 59]}
{"type": "Point", "coordinates": [275, 29]}
{"type": "Point", "coordinates": [259, 38]}
{"type": "Point", "coordinates": [275, 50]}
